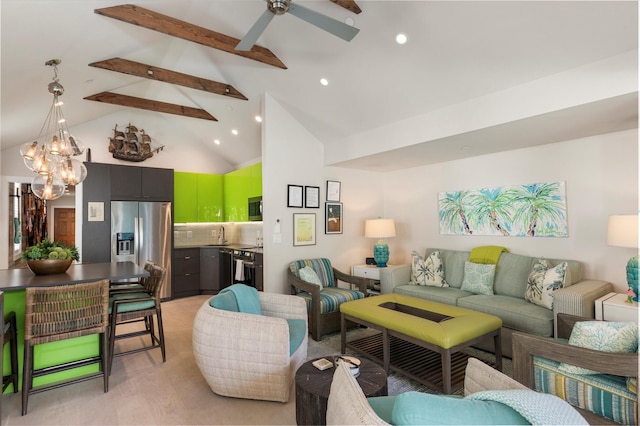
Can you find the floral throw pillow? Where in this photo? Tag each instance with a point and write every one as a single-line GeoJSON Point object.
{"type": "Point", "coordinates": [543, 282]}
{"type": "Point", "coordinates": [429, 271]}
{"type": "Point", "coordinates": [478, 278]}
{"type": "Point", "coordinates": [603, 336]}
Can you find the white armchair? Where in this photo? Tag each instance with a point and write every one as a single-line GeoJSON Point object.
{"type": "Point", "coordinates": [247, 356]}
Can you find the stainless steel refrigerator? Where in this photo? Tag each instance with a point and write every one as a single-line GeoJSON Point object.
{"type": "Point", "coordinates": [141, 231]}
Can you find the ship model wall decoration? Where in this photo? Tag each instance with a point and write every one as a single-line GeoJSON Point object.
{"type": "Point", "coordinates": [132, 145]}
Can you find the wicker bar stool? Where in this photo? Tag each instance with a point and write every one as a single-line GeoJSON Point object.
{"type": "Point", "coordinates": [59, 313]}
{"type": "Point", "coordinates": [130, 307]}
{"type": "Point", "coordinates": [10, 336]}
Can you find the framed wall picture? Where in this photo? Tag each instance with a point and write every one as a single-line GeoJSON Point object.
{"type": "Point", "coordinates": [333, 218]}
{"type": "Point", "coordinates": [312, 197]}
{"type": "Point", "coordinates": [294, 196]}
{"type": "Point", "coordinates": [333, 190]}
{"type": "Point", "coordinates": [304, 229]}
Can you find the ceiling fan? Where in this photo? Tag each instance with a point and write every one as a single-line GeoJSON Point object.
{"type": "Point", "coordinates": [280, 7]}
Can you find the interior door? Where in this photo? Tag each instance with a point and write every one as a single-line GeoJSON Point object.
{"type": "Point", "coordinates": [64, 225]}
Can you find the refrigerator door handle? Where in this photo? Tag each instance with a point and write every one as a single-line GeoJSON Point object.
{"type": "Point", "coordinates": [140, 230]}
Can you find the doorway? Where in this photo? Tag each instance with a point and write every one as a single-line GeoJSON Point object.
{"type": "Point", "coordinates": [64, 225]}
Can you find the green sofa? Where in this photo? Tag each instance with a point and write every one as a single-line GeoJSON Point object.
{"type": "Point", "coordinates": [508, 301]}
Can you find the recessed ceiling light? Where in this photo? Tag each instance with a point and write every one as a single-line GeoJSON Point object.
{"type": "Point", "coordinates": [324, 81]}
{"type": "Point", "coordinates": [349, 21]}
{"type": "Point", "coordinates": [234, 132]}
{"type": "Point", "coordinates": [216, 141]}
{"type": "Point", "coordinates": [401, 38]}
{"type": "Point", "coordinates": [258, 119]}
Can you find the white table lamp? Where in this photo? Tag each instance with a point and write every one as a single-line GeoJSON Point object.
{"type": "Point", "coordinates": [380, 228]}
{"type": "Point", "coordinates": [622, 231]}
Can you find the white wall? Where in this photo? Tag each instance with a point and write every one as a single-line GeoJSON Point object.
{"type": "Point", "coordinates": [601, 175]}
{"type": "Point", "coordinates": [291, 155]}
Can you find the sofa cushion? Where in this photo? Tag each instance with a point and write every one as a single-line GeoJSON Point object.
{"type": "Point", "coordinates": [603, 394]}
{"type": "Point", "coordinates": [417, 408]}
{"type": "Point", "coordinates": [448, 295]}
{"type": "Point", "coordinates": [453, 262]}
{"type": "Point", "coordinates": [603, 336]}
{"type": "Point", "coordinates": [544, 280]}
{"type": "Point", "coordinates": [429, 271]}
{"type": "Point", "coordinates": [516, 313]}
{"type": "Point", "coordinates": [478, 278]}
{"type": "Point", "coordinates": [309, 275]}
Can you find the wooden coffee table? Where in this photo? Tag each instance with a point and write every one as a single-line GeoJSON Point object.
{"type": "Point", "coordinates": [313, 386]}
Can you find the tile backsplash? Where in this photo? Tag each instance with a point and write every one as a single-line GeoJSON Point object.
{"type": "Point", "coordinates": [201, 234]}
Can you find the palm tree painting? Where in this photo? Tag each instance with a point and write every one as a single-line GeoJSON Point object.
{"type": "Point", "coordinates": [532, 210]}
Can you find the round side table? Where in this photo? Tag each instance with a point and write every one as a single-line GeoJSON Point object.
{"type": "Point", "coordinates": [313, 386]}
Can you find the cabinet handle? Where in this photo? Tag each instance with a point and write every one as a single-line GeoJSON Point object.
{"type": "Point", "coordinates": [187, 257]}
{"type": "Point", "coordinates": [186, 275]}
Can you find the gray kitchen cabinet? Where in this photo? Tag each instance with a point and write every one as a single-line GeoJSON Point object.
{"type": "Point", "coordinates": [210, 270]}
{"type": "Point", "coordinates": [259, 271]}
{"type": "Point", "coordinates": [186, 272]}
{"type": "Point", "coordinates": [141, 183]}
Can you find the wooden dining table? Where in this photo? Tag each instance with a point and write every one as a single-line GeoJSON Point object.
{"type": "Point", "coordinates": [13, 283]}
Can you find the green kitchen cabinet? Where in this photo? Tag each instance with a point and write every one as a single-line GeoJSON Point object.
{"type": "Point", "coordinates": [210, 198]}
{"type": "Point", "coordinates": [185, 197]}
{"type": "Point", "coordinates": [239, 186]}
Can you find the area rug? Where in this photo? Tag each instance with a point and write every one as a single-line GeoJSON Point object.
{"type": "Point", "coordinates": [397, 383]}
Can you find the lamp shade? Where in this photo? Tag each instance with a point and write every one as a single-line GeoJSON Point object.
{"type": "Point", "coordinates": [622, 231]}
{"type": "Point", "coordinates": [379, 228]}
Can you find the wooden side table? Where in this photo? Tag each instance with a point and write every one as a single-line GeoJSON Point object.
{"type": "Point", "coordinates": [313, 386]}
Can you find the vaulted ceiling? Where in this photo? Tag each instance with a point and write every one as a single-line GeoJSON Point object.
{"type": "Point", "coordinates": [456, 51]}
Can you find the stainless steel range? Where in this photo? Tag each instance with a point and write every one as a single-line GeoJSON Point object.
{"type": "Point", "coordinates": [242, 266]}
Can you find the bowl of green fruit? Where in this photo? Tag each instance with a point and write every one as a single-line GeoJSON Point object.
{"type": "Point", "coordinates": [48, 258]}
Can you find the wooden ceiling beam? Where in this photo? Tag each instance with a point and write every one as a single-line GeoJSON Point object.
{"type": "Point", "coordinates": [141, 103]}
{"type": "Point", "coordinates": [174, 27]}
{"type": "Point", "coordinates": [160, 74]}
{"type": "Point", "coordinates": [349, 5]}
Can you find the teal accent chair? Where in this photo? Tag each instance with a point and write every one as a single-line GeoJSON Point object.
{"type": "Point", "coordinates": [603, 398]}
{"type": "Point", "coordinates": [323, 305]}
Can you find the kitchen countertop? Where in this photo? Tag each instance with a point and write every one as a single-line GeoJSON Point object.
{"type": "Point", "coordinates": [245, 247]}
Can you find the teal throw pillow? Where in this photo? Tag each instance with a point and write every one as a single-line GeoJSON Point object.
{"type": "Point", "coordinates": [225, 301]}
{"type": "Point", "coordinates": [309, 275]}
{"type": "Point", "coordinates": [417, 408]}
{"type": "Point", "coordinates": [544, 280]}
{"type": "Point", "coordinates": [478, 278]}
{"type": "Point", "coordinates": [429, 271]}
{"type": "Point", "coordinates": [603, 336]}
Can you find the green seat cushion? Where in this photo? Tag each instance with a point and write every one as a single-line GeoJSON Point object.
{"type": "Point", "coordinates": [132, 306]}
{"type": "Point", "coordinates": [448, 295]}
{"type": "Point", "coordinates": [417, 408]}
{"type": "Point", "coordinates": [297, 332]}
{"type": "Point", "coordinates": [331, 298]}
{"type": "Point", "coordinates": [383, 406]}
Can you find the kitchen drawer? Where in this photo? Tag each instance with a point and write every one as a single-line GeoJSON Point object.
{"type": "Point", "coordinates": [186, 285]}
{"type": "Point", "coordinates": [186, 261]}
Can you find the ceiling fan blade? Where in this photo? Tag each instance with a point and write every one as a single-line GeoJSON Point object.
{"type": "Point", "coordinates": [333, 26]}
{"type": "Point", "coordinates": [256, 30]}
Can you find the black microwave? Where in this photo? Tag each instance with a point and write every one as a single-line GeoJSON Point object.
{"type": "Point", "coordinates": [255, 208]}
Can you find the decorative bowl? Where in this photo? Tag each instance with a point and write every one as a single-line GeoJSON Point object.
{"type": "Point", "coordinates": [49, 266]}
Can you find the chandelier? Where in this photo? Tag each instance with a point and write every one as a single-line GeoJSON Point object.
{"type": "Point", "coordinates": [50, 156]}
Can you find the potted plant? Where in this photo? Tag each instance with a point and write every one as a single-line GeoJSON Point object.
{"type": "Point", "coordinates": [46, 257]}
